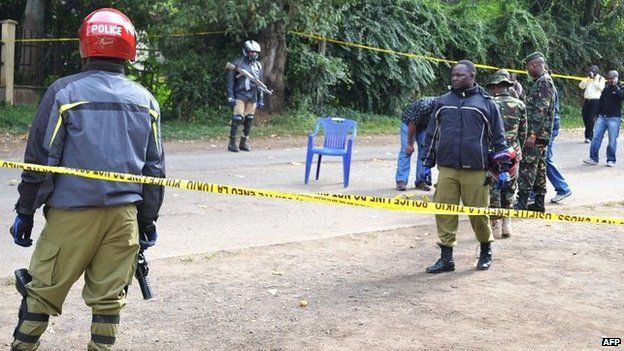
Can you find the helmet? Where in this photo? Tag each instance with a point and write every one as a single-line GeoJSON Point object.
{"type": "Point", "coordinates": [251, 49]}
{"type": "Point", "coordinates": [107, 33]}
{"type": "Point", "coordinates": [508, 156]}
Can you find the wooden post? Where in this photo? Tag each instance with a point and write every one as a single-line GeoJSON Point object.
{"type": "Point", "coordinates": [7, 69]}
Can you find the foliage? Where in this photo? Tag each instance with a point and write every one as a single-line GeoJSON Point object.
{"type": "Point", "coordinates": [186, 72]}
{"type": "Point", "coordinates": [321, 72]}
{"type": "Point", "coordinates": [12, 9]}
{"type": "Point", "coordinates": [382, 82]}
{"type": "Point", "coordinates": [192, 60]}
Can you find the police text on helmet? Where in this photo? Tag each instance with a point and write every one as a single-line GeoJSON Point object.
{"type": "Point", "coordinates": [106, 29]}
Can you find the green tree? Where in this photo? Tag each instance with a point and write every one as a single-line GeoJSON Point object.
{"type": "Point", "coordinates": [266, 21]}
{"type": "Point", "coordinates": [384, 82]}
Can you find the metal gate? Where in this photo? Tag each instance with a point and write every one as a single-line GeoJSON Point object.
{"type": "Point", "coordinates": [38, 63]}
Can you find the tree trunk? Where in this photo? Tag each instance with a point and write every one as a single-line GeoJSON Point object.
{"type": "Point", "coordinates": [589, 15]}
{"type": "Point", "coordinates": [322, 48]}
{"type": "Point", "coordinates": [274, 57]}
{"type": "Point", "coordinates": [31, 63]}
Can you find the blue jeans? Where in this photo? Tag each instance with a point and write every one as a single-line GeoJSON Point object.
{"type": "Point", "coordinates": [603, 124]}
{"type": "Point", "coordinates": [552, 172]}
{"type": "Point", "coordinates": [403, 160]}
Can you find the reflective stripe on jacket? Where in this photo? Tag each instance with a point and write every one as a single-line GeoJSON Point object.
{"type": "Point", "coordinates": [464, 127]}
{"type": "Point", "coordinates": [97, 120]}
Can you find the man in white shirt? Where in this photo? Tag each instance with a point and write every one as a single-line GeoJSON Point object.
{"type": "Point", "coordinates": [593, 85]}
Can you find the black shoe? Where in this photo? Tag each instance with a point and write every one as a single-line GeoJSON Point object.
{"type": "Point", "coordinates": [445, 263]}
{"type": "Point", "coordinates": [485, 257]}
{"type": "Point", "coordinates": [422, 186]}
{"type": "Point", "coordinates": [243, 144]}
{"type": "Point", "coordinates": [232, 145]}
{"type": "Point", "coordinates": [538, 205]}
{"type": "Point", "coordinates": [401, 185]}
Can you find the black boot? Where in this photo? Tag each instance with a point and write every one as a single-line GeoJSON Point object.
{"type": "Point", "coordinates": [445, 263]}
{"type": "Point", "coordinates": [485, 257]}
{"type": "Point", "coordinates": [232, 145]}
{"type": "Point", "coordinates": [538, 205]}
{"type": "Point", "coordinates": [522, 201]}
{"type": "Point", "coordinates": [243, 144]}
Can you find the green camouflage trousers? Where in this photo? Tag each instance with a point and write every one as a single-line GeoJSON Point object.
{"type": "Point", "coordinates": [532, 176]}
{"type": "Point", "coordinates": [505, 198]}
{"type": "Point", "coordinates": [101, 243]}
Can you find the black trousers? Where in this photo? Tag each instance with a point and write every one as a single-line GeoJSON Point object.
{"type": "Point", "coordinates": [590, 109]}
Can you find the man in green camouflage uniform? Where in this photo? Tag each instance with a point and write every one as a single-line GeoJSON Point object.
{"type": "Point", "coordinates": [540, 102]}
{"type": "Point", "coordinates": [513, 113]}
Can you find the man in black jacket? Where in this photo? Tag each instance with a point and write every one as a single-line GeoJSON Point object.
{"type": "Point", "coordinates": [609, 120]}
{"type": "Point", "coordinates": [465, 127]}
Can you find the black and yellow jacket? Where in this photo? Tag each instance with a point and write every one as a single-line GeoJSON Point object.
{"type": "Point", "coordinates": [98, 120]}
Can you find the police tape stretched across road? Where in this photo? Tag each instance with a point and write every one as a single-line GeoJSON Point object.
{"type": "Point", "coordinates": [397, 204]}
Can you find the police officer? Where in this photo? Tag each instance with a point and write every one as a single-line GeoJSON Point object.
{"type": "Point", "coordinates": [513, 113]}
{"type": "Point", "coordinates": [465, 125]}
{"type": "Point", "coordinates": [243, 94]}
{"type": "Point", "coordinates": [100, 120]}
{"type": "Point", "coordinates": [540, 105]}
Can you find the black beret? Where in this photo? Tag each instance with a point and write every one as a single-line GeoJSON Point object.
{"type": "Point", "coordinates": [532, 57]}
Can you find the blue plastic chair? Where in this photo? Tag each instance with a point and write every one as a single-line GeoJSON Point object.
{"type": "Point", "coordinates": [336, 142]}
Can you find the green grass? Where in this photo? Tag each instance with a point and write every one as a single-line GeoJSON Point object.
{"type": "Point", "coordinates": [214, 124]}
{"type": "Point", "coordinates": [571, 117]}
{"type": "Point", "coordinates": [16, 120]}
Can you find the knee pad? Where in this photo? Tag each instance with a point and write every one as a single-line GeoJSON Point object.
{"type": "Point", "coordinates": [22, 278]}
{"type": "Point", "coordinates": [237, 120]}
{"type": "Point", "coordinates": [248, 120]}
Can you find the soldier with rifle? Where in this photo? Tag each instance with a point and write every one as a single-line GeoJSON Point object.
{"type": "Point", "coordinates": [245, 93]}
{"type": "Point", "coordinates": [99, 120]}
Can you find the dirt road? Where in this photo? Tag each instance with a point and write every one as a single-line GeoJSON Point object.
{"type": "Point", "coordinates": [553, 286]}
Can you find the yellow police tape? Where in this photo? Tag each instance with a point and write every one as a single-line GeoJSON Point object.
{"type": "Point", "coordinates": [396, 204]}
{"type": "Point", "coordinates": [315, 37]}
{"type": "Point", "coordinates": [415, 56]}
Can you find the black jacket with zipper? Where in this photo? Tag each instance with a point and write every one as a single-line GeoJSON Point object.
{"type": "Point", "coordinates": [465, 126]}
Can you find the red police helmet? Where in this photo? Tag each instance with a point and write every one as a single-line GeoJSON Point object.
{"type": "Point", "coordinates": [507, 156]}
{"type": "Point", "coordinates": [107, 33]}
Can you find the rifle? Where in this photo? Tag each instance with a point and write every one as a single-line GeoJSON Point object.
{"type": "Point", "coordinates": [141, 275]}
{"type": "Point", "coordinates": [251, 77]}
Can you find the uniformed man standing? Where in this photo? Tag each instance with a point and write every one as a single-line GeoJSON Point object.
{"type": "Point", "coordinates": [465, 125]}
{"type": "Point", "coordinates": [540, 104]}
{"type": "Point", "coordinates": [243, 94]}
{"type": "Point", "coordinates": [97, 120]}
{"type": "Point", "coordinates": [513, 113]}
